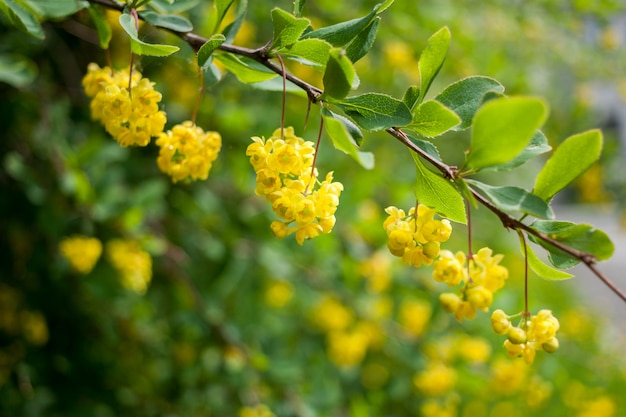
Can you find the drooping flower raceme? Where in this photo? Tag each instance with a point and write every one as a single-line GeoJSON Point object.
{"type": "Point", "coordinates": [286, 178]}
{"type": "Point", "coordinates": [481, 279]}
{"type": "Point", "coordinates": [415, 238]}
{"type": "Point", "coordinates": [186, 153]}
{"type": "Point", "coordinates": [131, 117]}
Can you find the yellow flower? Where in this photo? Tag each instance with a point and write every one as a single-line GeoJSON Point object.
{"type": "Point", "coordinates": [436, 379]}
{"type": "Point", "coordinates": [331, 315]}
{"type": "Point", "coordinates": [278, 293]}
{"type": "Point", "coordinates": [260, 410]}
{"type": "Point", "coordinates": [450, 268]}
{"type": "Point", "coordinates": [413, 317]}
{"type": "Point", "coordinates": [474, 349]}
{"type": "Point", "coordinates": [348, 348]}
{"type": "Point", "coordinates": [132, 262]}
{"type": "Point", "coordinates": [82, 252]}
{"type": "Point", "coordinates": [508, 377]}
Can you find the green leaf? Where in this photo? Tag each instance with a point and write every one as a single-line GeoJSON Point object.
{"type": "Point", "coordinates": [343, 33]}
{"type": "Point", "coordinates": [217, 13]}
{"type": "Point", "coordinates": [502, 128]}
{"type": "Point", "coordinates": [426, 146]}
{"type": "Point", "coordinates": [287, 28]}
{"type": "Point", "coordinates": [139, 47]}
{"type": "Point", "coordinates": [573, 157]}
{"type": "Point", "coordinates": [298, 5]}
{"type": "Point", "coordinates": [582, 237]}
{"type": "Point", "coordinates": [538, 145]}
{"type": "Point", "coordinates": [438, 193]}
{"type": "Point", "coordinates": [339, 75]}
{"type": "Point", "coordinates": [344, 141]}
{"type": "Point", "coordinates": [230, 31]}
{"type": "Point", "coordinates": [363, 42]}
{"type": "Point", "coordinates": [411, 96]}
{"type": "Point", "coordinates": [276, 84]}
{"type": "Point", "coordinates": [431, 119]}
{"type": "Point", "coordinates": [103, 28]}
{"type": "Point", "coordinates": [168, 6]}
{"type": "Point", "coordinates": [58, 8]}
{"type": "Point", "coordinates": [353, 129]}
{"type": "Point", "coordinates": [209, 47]}
{"type": "Point", "coordinates": [541, 269]}
{"type": "Point", "coordinates": [312, 52]}
{"type": "Point", "coordinates": [246, 70]}
{"type": "Point", "coordinates": [211, 75]}
{"type": "Point", "coordinates": [21, 18]}
{"type": "Point", "coordinates": [465, 96]}
{"type": "Point", "coordinates": [432, 58]}
{"type": "Point", "coordinates": [168, 21]}
{"type": "Point", "coordinates": [514, 199]}
{"type": "Point", "coordinates": [17, 70]}
{"type": "Point", "coordinates": [374, 111]}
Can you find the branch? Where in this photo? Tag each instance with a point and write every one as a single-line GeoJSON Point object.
{"type": "Point", "coordinates": [449, 172]}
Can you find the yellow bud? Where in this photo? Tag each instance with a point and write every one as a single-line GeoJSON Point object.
{"type": "Point", "coordinates": [551, 345]}
{"type": "Point", "coordinates": [449, 301]}
{"type": "Point", "coordinates": [516, 335]}
{"type": "Point", "coordinates": [500, 322]}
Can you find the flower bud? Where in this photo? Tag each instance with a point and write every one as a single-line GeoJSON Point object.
{"type": "Point", "coordinates": [500, 322]}
{"type": "Point", "coordinates": [449, 301]}
{"type": "Point", "coordinates": [516, 335]}
{"type": "Point", "coordinates": [551, 345]}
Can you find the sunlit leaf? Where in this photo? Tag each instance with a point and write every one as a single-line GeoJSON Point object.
{"type": "Point", "coordinates": [139, 47]}
{"type": "Point", "coordinates": [246, 70]}
{"type": "Point", "coordinates": [432, 58]}
{"type": "Point", "coordinates": [287, 28]}
{"type": "Point", "coordinates": [541, 269]}
{"type": "Point", "coordinates": [344, 141]}
{"type": "Point", "coordinates": [21, 18]}
{"type": "Point", "coordinates": [209, 47]}
{"type": "Point", "coordinates": [431, 119]}
{"type": "Point", "coordinates": [537, 146]}
{"type": "Point", "coordinates": [103, 28]}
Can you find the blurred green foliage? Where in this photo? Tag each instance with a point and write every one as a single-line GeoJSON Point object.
{"type": "Point", "coordinates": [230, 318]}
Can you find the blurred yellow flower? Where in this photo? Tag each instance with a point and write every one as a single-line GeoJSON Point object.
{"type": "Point", "coordinates": [82, 252]}
{"type": "Point", "coordinates": [133, 263]}
{"type": "Point", "coordinates": [278, 293]}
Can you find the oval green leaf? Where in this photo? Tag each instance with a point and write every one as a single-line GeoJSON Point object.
{"type": "Point", "coordinates": [541, 269]}
{"type": "Point", "coordinates": [514, 200]}
{"type": "Point", "coordinates": [142, 48]}
{"type": "Point", "coordinates": [374, 111]}
{"type": "Point", "coordinates": [431, 119]}
{"type": "Point", "coordinates": [432, 58]}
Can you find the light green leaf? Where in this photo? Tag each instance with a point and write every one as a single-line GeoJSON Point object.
{"type": "Point", "coordinates": [582, 237]}
{"type": "Point", "coordinates": [426, 146]}
{"type": "Point", "coordinates": [17, 70]}
{"type": "Point", "coordinates": [103, 28]}
{"type": "Point", "coordinates": [230, 31]}
{"type": "Point", "coordinates": [573, 157]}
{"type": "Point", "coordinates": [374, 111]}
{"type": "Point", "coordinates": [432, 58]}
{"type": "Point", "coordinates": [217, 13]}
{"type": "Point", "coordinates": [538, 145]}
{"type": "Point", "coordinates": [431, 119]}
{"type": "Point", "coordinates": [411, 96]}
{"type": "Point", "coordinates": [541, 269]}
{"type": "Point", "coordinates": [298, 5]}
{"type": "Point", "coordinates": [246, 70]}
{"type": "Point", "coordinates": [339, 75]}
{"type": "Point", "coordinates": [502, 128]}
{"type": "Point", "coordinates": [58, 8]}
{"type": "Point", "coordinates": [363, 42]}
{"type": "Point", "coordinates": [21, 18]}
{"type": "Point", "coordinates": [312, 52]}
{"type": "Point", "coordinates": [209, 47]}
{"type": "Point", "coordinates": [343, 140]}
{"type": "Point", "coordinates": [343, 33]}
{"type": "Point", "coordinates": [438, 193]}
{"type": "Point", "coordinates": [168, 21]}
{"type": "Point", "coordinates": [276, 84]}
{"type": "Point", "coordinates": [139, 47]}
{"type": "Point", "coordinates": [465, 96]}
{"type": "Point", "coordinates": [287, 28]}
{"type": "Point", "coordinates": [514, 199]}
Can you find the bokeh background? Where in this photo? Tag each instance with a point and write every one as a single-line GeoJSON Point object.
{"type": "Point", "coordinates": [234, 322]}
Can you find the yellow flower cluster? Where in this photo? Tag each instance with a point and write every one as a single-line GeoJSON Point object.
{"type": "Point", "coordinates": [187, 152]}
{"type": "Point", "coordinates": [437, 379]}
{"type": "Point", "coordinates": [133, 263]}
{"type": "Point", "coordinates": [286, 178]}
{"type": "Point", "coordinates": [131, 117]}
{"type": "Point", "coordinates": [538, 333]}
{"type": "Point", "coordinates": [260, 410]}
{"type": "Point", "coordinates": [415, 238]}
{"type": "Point", "coordinates": [482, 278]}
{"type": "Point", "coordinates": [82, 252]}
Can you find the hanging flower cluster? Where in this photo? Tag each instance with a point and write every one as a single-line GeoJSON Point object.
{"type": "Point", "coordinates": [286, 178]}
{"type": "Point", "coordinates": [82, 252]}
{"type": "Point", "coordinates": [482, 278]}
{"type": "Point", "coordinates": [538, 333]}
{"type": "Point", "coordinates": [186, 153]}
{"type": "Point", "coordinates": [131, 117]}
{"type": "Point", "coordinates": [415, 238]}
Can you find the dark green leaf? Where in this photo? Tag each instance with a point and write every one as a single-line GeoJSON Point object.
{"type": "Point", "coordinates": [426, 146]}
{"type": "Point", "coordinates": [353, 129]}
{"type": "Point", "coordinates": [209, 47]}
{"type": "Point", "coordinates": [374, 111]}
{"type": "Point", "coordinates": [165, 6]}
{"type": "Point", "coordinates": [431, 119]}
{"type": "Point", "coordinates": [139, 47]}
{"type": "Point", "coordinates": [363, 42]}
{"type": "Point", "coordinates": [514, 199]}
{"type": "Point", "coordinates": [582, 237]}
{"type": "Point", "coordinates": [343, 140]}
{"type": "Point", "coordinates": [411, 96]}
{"type": "Point", "coordinates": [168, 21]}
{"type": "Point", "coordinates": [287, 28]}
{"type": "Point", "coordinates": [538, 145]}
{"type": "Point", "coordinates": [230, 31]}
{"type": "Point", "coordinates": [217, 14]}
{"type": "Point", "coordinates": [573, 157]}
{"type": "Point", "coordinates": [17, 70]}
{"type": "Point", "coordinates": [246, 70]}
{"type": "Point", "coordinates": [502, 128]}
{"type": "Point", "coordinates": [339, 75]}
{"type": "Point", "coordinates": [276, 84]}
{"type": "Point", "coordinates": [465, 96]}
{"type": "Point", "coordinates": [58, 8]}
{"type": "Point", "coordinates": [211, 75]}
{"type": "Point", "coordinates": [21, 18]}
{"type": "Point", "coordinates": [298, 5]}
{"type": "Point", "coordinates": [432, 58]}
{"type": "Point", "coordinates": [438, 193]}
{"type": "Point", "coordinates": [103, 28]}
{"type": "Point", "coordinates": [541, 269]}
